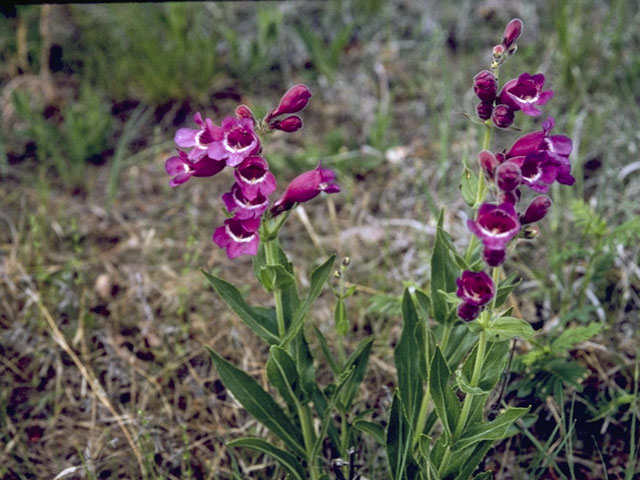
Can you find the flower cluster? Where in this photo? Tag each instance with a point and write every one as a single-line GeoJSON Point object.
{"type": "Point", "coordinates": [208, 149]}
{"type": "Point", "coordinates": [536, 160]}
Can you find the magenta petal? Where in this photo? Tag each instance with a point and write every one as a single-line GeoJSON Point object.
{"type": "Point", "coordinates": [175, 166]}
{"type": "Point", "coordinates": [220, 237]}
{"type": "Point", "coordinates": [217, 151]}
{"type": "Point", "coordinates": [526, 144]}
{"type": "Point", "coordinates": [332, 188]}
{"type": "Point", "coordinates": [527, 107]}
{"type": "Point", "coordinates": [544, 97]}
{"type": "Point", "coordinates": [185, 137]}
{"type": "Point", "coordinates": [180, 179]}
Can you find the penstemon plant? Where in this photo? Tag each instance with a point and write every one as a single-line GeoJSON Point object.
{"type": "Point", "coordinates": [456, 335]}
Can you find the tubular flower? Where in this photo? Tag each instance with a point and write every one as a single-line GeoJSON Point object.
{"type": "Point", "coordinates": [254, 178]}
{"type": "Point", "coordinates": [237, 142]}
{"type": "Point", "coordinates": [495, 225]}
{"type": "Point", "coordinates": [289, 124]}
{"type": "Point", "coordinates": [502, 116]}
{"type": "Point", "coordinates": [468, 312]}
{"type": "Point", "coordinates": [181, 168]}
{"type": "Point", "coordinates": [508, 176]}
{"type": "Point", "coordinates": [238, 236]}
{"type": "Point", "coordinates": [475, 288]}
{"type": "Point", "coordinates": [511, 34]}
{"type": "Point", "coordinates": [536, 210]}
{"type": "Point", "coordinates": [244, 208]}
{"type": "Point", "coordinates": [198, 140]}
{"type": "Point", "coordinates": [525, 92]}
{"type": "Point", "coordinates": [305, 187]}
{"type": "Point", "coordinates": [293, 101]}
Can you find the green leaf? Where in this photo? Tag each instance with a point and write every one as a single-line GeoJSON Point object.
{"type": "Point", "coordinates": [258, 403]}
{"type": "Point", "coordinates": [282, 374]}
{"type": "Point", "coordinates": [286, 460]}
{"type": "Point", "coordinates": [261, 325]}
{"type": "Point", "coordinates": [276, 276]}
{"type": "Point", "coordinates": [463, 384]}
{"type": "Point", "coordinates": [460, 342]}
{"type": "Point", "coordinates": [492, 365]}
{"type": "Point", "coordinates": [373, 429]}
{"type": "Point", "coordinates": [318, 279]}
{"type": "Point", "coordinates": [505, 328]}
{"type": "Point", "coordinates": [484, 476]}
{"type": "Point", "coordinates": [443, 272]}
{"type": "Point", "coordinates": [505, 287]}
{"type": "Point", "coordinates": [323, 410]}
{"type": "Point", "coordinates": [358, 360]}
{"type": "Point", "coordinates": [329, 357]}
{"type": "Point", "coordinates": [469, 186]}
{"type": "Point", "coordinates": [342, 323]}
{"type": "Point", "coordinates": [572, 336]}
{"type": "Point", "coordinates": [399, 441]}
{"type": "Point", "coordinates": [424, 446]}
{"type": "Point", "coordinates": [446, 403]}
{"type": "Point", "coordinates": [495, 430]}
{"type": "Point", "coordinates": [408, 358]}
{"type": "Point", "coordinates": [465, 462]}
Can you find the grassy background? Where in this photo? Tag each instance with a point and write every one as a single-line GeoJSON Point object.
{"type": "Point", "coordinates": [99, 258]}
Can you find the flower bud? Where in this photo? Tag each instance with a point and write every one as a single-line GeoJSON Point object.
{"type": "Point", "coordinates": [293, 101]}
{"type": "Point", "coordinates": [511, 34]}
{"type": "Point", "coordinates": [502, 116]}
{"type": "Point", "coordinates": [530, 232]}
{"type": "Point", "coordinates": [498, 53]}
{"type": "Point", "coordinates": [468, 312]}
{"type": "Point", "coordinates": [536, 210]}
{"type": "Point", "coordinates": [287, 124]}
{"type": "Point", "coordinates": [305, 187]}
{"type": "Point", "coordinates": [485, 85]}
{"type": "Point", "coordinates": [484, 110]}
{"type": "Point", "coordinates": [488, 162]}
{"type": "Point", "coordinates": [494, 258]}
{"type": "Point", "coordinates": [508, 176]}
{"type": "Point", "coordinates": [242, 111]}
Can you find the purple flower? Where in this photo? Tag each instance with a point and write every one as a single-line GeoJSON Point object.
{"type": "Point", "coordinates": [293, 101]}
{"type": "Point", "coordinates": [495, 225]}
{"type": "Point", "coordinates": [200, 139]}
{"type": "Point", "coordinates": [485, 85]}
{"type": "Point", "coordinates": [238, 237]}
{"type": "Point", "coordinates": [510, 197]}
{"type": "Point", "coordinates": [289, 124]}
{"type": "Point", "coordinates": [475, 288]}
{"type": "Point", "coordinates": [525, 92]}
{"type": "Point", "coordinates": [243, 207]}
{"type": "Point", "coordinates": [305, 187]}
{"type": "Point", "coordinates": [536, 210]}
{"type": "Point", "coordinates": [502, 116]}
{"type": "Point", "coordinates": [237, 142]}
{"type": "Point", "coordinates": [468, 312]}
{"type": "Point", "coordinates": [556, 147]}
{"type": "Point", "coordinates": [538, 171]}
{"type": "Point", "coordinates": [181, 168]}
{"type": "Point", "coordinates": [512, 32]}
{"type": "Point", "coordinates": [508, 176]}
{"type": "Point", "coordinates": [254, 178]}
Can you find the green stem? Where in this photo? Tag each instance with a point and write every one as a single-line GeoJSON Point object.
{"type": "Point", "coordinates": [308, 436]}
{"type": "Point", "coordinates": [422, 416]}
{"type": "Point", "coordinates": [271, 252]}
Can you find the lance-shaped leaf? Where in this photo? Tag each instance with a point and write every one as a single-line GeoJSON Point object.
{"type": "Point", "coordinates": [495, 430]}
{"type": "Point", "coordinates": [443, 272]}
{"type": "Point", "coordinates": [506, 328]}
{"type": "Point", "coordinates": [282, 374]}
{"type": "Point", "coordinates": [446, 403]}
{"type": "Point", "coordinates": [399, 442]}
{"type": "Point", "coordinates": [374, 429]}
{"type": "Point", "coordinates": [358, 360]}
{"type": "Point", "coordinates": [505, 287]}
{"type": "Point", "coordinates": [407, 357]}
{"type": "Point", "coordinates": [318, 279]}
{"type": "Point", "coordinates": [463, 462]}
{"type": "Point", "coordinates": [469, 186]}
{"type": "Point", "coordinates": [258, 403]}
{"type": "Point", "coordinates": [262, 325]}
{"type": "Point", "coordinates": [492, 365]}
{"type": "Point", "coordinates": [289, 462]}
